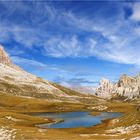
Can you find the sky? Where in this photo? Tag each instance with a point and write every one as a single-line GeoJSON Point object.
{"type": "Point", "coordinates": [73, 43]}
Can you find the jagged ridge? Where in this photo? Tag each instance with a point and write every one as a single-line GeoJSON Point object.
{"type": "Point", "coordinates": [127, 87]}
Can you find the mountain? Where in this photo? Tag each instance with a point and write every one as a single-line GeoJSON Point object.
{"type": "Point", "coordinates": [5, 60]}
{"type": "Point", "coordinates": [105, 89]}
{"type": "Point", "coordinates": [84, 89]}
{"type": "Point", "coordinates": [127, 87]}
{"type": "Point", "coordinates": [16, 81]}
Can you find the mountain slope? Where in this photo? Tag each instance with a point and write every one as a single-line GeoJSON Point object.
{"type": "Point", "coordinates": [16, 81]}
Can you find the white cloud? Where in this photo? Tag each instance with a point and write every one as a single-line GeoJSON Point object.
{"type": "Point", "coordinates": [35, 65]}
{"type": "Point", "coordinates": [31, 63]}
{"type": "Point", "coordinates": [136, 11]}
{"type": "Point", "coordinates": [117, 42]}
{"type": "Point", "coordinates": [23, 35]}
{"type": "Point", "coordinates": [74, 81]}
{"type": "Point", "coordinates": [137, 30]}
{"type": "Point", "coordinates": [61, 47]}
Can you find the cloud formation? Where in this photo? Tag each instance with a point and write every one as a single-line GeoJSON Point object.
{"type": "Point", "coordinates": [75, 81]}
{"type": "Point", "coordinates": [35, 65]}
{"type": "Point", "coordinates": [136, 12]}
{"type": "Point", "coordinates": [63, 33]}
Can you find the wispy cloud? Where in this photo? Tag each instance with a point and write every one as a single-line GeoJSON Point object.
{"type": "Point", "coordinates": [74, 81]}
{"type": "Point", "coordinates": [30, 63]}
{"type": "Point", "coordinates": [58, 32]}
{"type": "Point", "coordinates": [35, 65]}
{"type": "Point", "coordinates": [136, 12]}
{"type": "Point", "coordinates": [118, 41]}
{"type": "Point", "coordinates": [59, 47]}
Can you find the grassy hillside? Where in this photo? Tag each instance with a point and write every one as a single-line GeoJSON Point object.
{"type": "Point", "coordinates": [15, 115]}
{"type": "Point", "coordinates": [67, 90]}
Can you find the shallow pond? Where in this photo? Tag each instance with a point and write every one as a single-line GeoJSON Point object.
{"type": "Point", "coordinates": [77, 119]}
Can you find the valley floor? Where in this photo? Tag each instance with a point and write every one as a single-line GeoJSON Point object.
{"type": "Point", "coordinates": [16, 123]}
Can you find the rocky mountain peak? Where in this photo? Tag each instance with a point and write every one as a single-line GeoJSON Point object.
{"type": "Point", "coordinates": [126, 81]}
{"type": "Point", "coordinates": [4, 57]}
{"type": "Point", "coordinates": [104, 89]}
{"type": "Point", "coordinates": [104, 81]}
{"type": "Point", "coordinates": [127, 86]}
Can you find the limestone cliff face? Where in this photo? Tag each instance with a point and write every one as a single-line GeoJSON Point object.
{"type": "Point", "coordinates": [105, 89]}
{"type": "Point", "coordinates": [127, 86]}
{"type": "Point", "coordinates": [4, 58]}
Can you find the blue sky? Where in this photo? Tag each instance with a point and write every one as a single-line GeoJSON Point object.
{"type": "Point", "coordinates": [72, 43]}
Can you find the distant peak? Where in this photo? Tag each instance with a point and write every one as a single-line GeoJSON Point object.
{"type": "Point", "coordinates": [2, 49]}
{"type": "Point", "coordinates": [4, 57]}
{"type": "Point", "coordinates": [1, 46]}
{"type": "Point", "coordinates": [104, 80]}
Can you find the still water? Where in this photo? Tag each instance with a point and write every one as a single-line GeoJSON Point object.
{"type": "Point", "coordinates": [77, 119]}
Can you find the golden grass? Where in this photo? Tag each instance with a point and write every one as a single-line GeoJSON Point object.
{"type": "Point", "coordinates": [17, 108]}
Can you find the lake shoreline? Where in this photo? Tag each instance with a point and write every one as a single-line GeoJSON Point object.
{"type": "Point", "coordinates": [75, 119]}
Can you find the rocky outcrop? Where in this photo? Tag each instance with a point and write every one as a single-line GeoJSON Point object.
{"type": "Point", "coordinates": [4, 58]}
{"type": "Point", "coordinates": [105, 89]}
{"type": "Point", "coordinates": [127, 87]}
